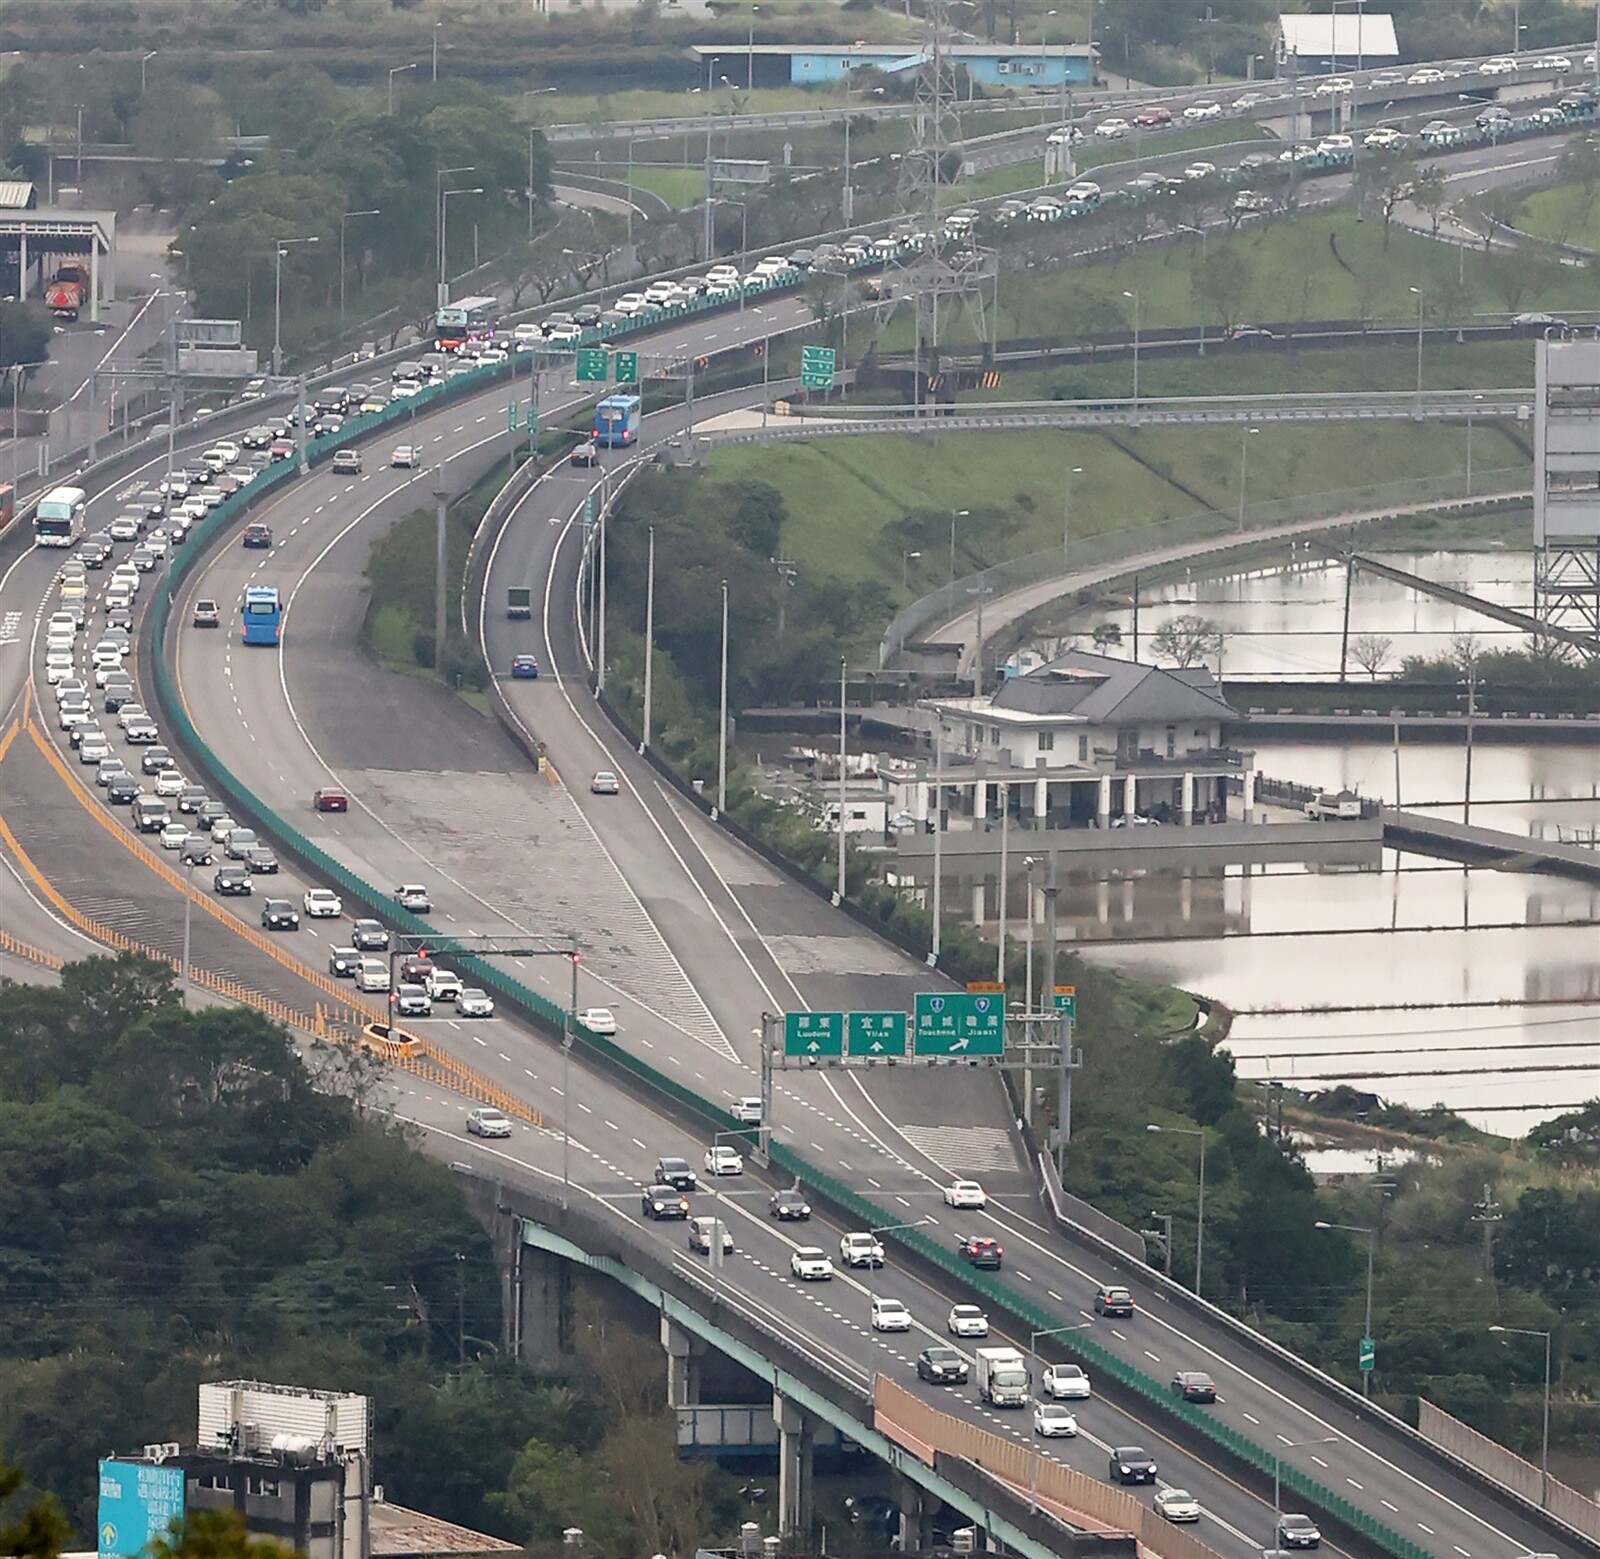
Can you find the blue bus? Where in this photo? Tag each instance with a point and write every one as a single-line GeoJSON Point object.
{"type": "Point", "coordinates": [616, 421]}
{"type": "Point", "coordinates": [263, 614]}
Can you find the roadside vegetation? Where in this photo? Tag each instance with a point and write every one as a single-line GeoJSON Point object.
{"type": "Point", "coordinates": [188, 1199]}
{"type": "Point", "coordinates": [1568, 211]}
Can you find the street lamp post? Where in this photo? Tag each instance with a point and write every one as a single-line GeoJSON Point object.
{"type": "Point", "coordinates": [1200, 1218]}
{"type": "Point", "coordinates": [1033, 1359]}
{"type": "Point", "coordinates": [905, 568]}
{"type": "Point", "coordinates": [436, 27]}
{"type": "Point", "coordinates": [444, 234]}
{"type": "Point", "coordinates": [1244, 452]}
{"type": "Point", "coordinates": [277, 301]}
{"type": "Point", "coordinates": [145, 60]}
{"type": "Point", "coordinates": [398, 70]}
{"type": "Point", "coordinates": [1277, 1475]}
{"type": "Point", "coordinates": [1417, 291]}
{"type": "Point", "coordinates": [750, 52]}
{"type": "Point", "coordinates": [843, 689]}
{"type": "Point", "coordinates": [1372, 1242]}
{"type": "Point", "coordinates": [955, 514]}
{"type": "Point", "coordinates": [1135, 297]}
{"type": "Point", "coordinates": [1066, 511]}
{"type": "Point", "coordinates": [342, 220]}
{"type": "Point", "coordinates": [722, 710]}
{"type": "Point", "coordinates": [1544, 1450]}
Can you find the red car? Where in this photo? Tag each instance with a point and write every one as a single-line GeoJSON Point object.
{"type": "Point", "coordinates": [330, 799]}
{"type": "Point", "coordinates": [1152, 118]}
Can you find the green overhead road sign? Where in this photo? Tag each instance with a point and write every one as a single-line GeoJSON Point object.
{"type": "Point", "coordinates": [1368, 1355]}
{"type": "Point", "coordinates": [592, 364]}
{"type": "Point", "coordinates": [811, 1035]}
{"type": "Point", "coordinates": [959, 1024]}
{"type": "Point", "coordinates": [816, 367]}
{"type": "Point", "coordinates": [627, 367]}
{"type": "Point", "coordinates": [874, 1036]}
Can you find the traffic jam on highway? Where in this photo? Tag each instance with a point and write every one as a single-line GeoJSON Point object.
{"type": "Point", "coordinates": [88, 660]}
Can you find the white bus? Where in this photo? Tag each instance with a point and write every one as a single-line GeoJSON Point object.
{"type": "Point", "coordinates": [58, 521]}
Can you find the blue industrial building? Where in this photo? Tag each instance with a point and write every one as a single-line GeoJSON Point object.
{"type": "Point", "coordinates": [1023, 67]}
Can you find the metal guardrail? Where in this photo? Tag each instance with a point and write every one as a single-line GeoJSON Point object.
{"type": "Point", "coordinates": [950, 601]}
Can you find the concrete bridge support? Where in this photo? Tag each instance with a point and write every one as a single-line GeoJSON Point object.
{"type": "Point", "coordinates": [684, 1353]}
{"type": "Point", "coordinates": [795, 1434]}
{"type": "Point", "coordinates": [544, 1310]}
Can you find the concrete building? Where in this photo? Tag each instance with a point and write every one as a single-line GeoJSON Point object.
{"type": "Point", "coordinates": [1021, 66]}
{"type": "Point", "coordinates": [1314, 45]}
{"type": "Point", "coordinates": [1086, 741]}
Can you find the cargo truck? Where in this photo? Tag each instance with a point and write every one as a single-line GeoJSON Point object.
{"type": "Point", "coordinates": [519, 603]}
{"type": "Point", "coordinates": [66, 291]}
{"type": "Point", "coordinates": [1002, 1377]}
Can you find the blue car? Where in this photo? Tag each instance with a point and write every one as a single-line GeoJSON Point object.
{"type": "Point", "coordinates": [525, 667]}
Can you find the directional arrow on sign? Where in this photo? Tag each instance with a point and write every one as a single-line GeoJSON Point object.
{"type": "Point", "coordinates": [961, 1044]}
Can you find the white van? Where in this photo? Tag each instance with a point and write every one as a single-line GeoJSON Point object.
{"type": "Point", "coordinates": [372, 974]}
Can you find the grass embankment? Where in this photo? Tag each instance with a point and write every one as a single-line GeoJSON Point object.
{"type": "Point", "coordinates": [1566, 214]}
{"type": "Point", "coordinates": [1324, 265]}
{"type": "Point", "coordinates": [857, 506]}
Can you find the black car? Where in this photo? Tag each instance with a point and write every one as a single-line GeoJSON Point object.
{"type": "Point", "coordinates": [122, 790]}
{"type": "Point", "coordinates": [257, 535]}
{"type": "Point", "coordinates": [1297, 1531]}
{"type": "Point", "coordinates": [587, 314]}
{"type": "Point", "coordinates": [261, 859]}
{"type": "Point", "coordinates": [370, 936]}
{"type": "Point", "coordinates": [1194, 1386]}
{"type": "Point", "coordinates": [210, 812]}
{"type": "Point", "coordinates": [1113, 1299]}
{"type": "Point", "coordinates": [279, 915]}
{"type": "Point", "coordinates": [1131, 1464]}
{"type": "Point", "coordinates": [196, 851]}
{"type": "Point", "coordinates": [233, 881]}
{"type": "Point", "coordinates": [982, 1251]}
{"type": "Point", "coordinates": [343, 961]}
{"type": "Point", "coordinates": [789, 1206]}
{"type": "Point", "coordinates": [93, 554]}
{"type": "Point", "coordinates": [664, 1201]}
{"type": "Point", "coordinates": [676, 1173]}
{"type": "Point", "coordinates": [157, 760]}
{"type": "Point", "coordinates": [416, 969]}
{"type": "Point", "coordinates": [192, 798]}
{"type": "Point", "coordinates": [943, 1366]}
{"type": "Point", "coordinates": [118, 694]}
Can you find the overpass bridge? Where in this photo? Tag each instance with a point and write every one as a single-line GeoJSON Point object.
{"type": "Point", "coordinates": [1130, 412]}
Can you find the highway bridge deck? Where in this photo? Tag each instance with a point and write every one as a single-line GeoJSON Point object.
{"type": "Point", "coordinates": [1489, 846]}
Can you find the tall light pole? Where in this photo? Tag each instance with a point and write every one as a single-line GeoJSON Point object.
{"type": "Point", "coordinates": [750, 53]}
{"type": "Point", "coordinates": [1066, 511]}
{"type": "Point", "coordinates": [649, 635]}
{"type": "Point", "coordinates": [905, 568]}
{"type": "Point", "coordinates": [436, 27]}
{"type": "Point", "coordinates": [145, 60]}
{"type": "Point", "coordinates": [277, 301]}
{"type": "Point", "coordinates": [1200, 1217]}
{"type": "Point", "coordinates": [444, 233]}
{"type": "Point", "coordinates": [1244, 451]}
{"type": "Point", "coordinates": [842, 776]}
{"type": "Point", "coordinates": [342, 220]}
{"type": "Point", "coordinates": [399, 69]}
{"type": "Point", "coordinates": [1366, 1331]}
{"type": "Point", "coordinates": [1544, 1451]}
{"type": "Point", "coordinates": [1277, 1474]}
{"type": "Point", "coordinates": [722, 723]}
{"type": "Point", "coordinates": [955, 514]}
{"type": "Point", "coordinates": [938, 837]}
{"type": "Point", "coordinates": [1417, 291]}
{"type": "Point", "coordinates": [1135, 297]}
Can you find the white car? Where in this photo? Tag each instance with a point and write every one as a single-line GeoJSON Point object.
{"type": "Point", "coordinates": [1177, 1505]}
{"type": "Point", "coordinates": [129, 713]}
{"type": "Point", "coordinates": [1334, 86]}
{"type": "Point", "coordinates": [860, 1250]}
{"type": "Point", "coordinates": [965, 1193]}
{"type": "Point", "coordinates": [322, 904]}
{"type": "Point", "coordinates": [157, 543]}
{"type": "Point", "coordinates": [1065, 1382]}
{"type": "Point", "coordinates": [1084, 189]}
{"type": "Point", "coordinates": [967, 1321]}
{"type": "Point", "coordinates": [889, 1315]}
{"type": "Point", "coordinates": [174, 836]}
{"type": "Point", "coordinates": [1557, 62]}
{"type": "Point", "coordinates": [485, 1122]}
{"type": "Point", "coordinates": [1425, 77]}
{"type": "Point", "coordinates": [63, 623]}
{"type": "Point", "coordinates": [1199, 170]}
{"type": "Point", "coordinates": [124, 528]}
{"type": "Point", "coordinates": [1053, 1421]}
{"type": "Point", "coordinates": [662, 292]}
{"type": "Point", "coordinates": [474, 1002]}
{"type": "Point", "coordinates": [1383, 138]}
{"type": "Point", "coordinates": [703, 1231]}
{"type": "Point", "coordinates": [747, 1111]}
{"type": "Point", "coordinates": [811, 1264]}
{"type": "Point", "coordinates": [598, 1020]}
{"type": "Point", "coordinates": [414, 897]}
{"type": "Point", "coordinates": [1334, 145]}
{"type": "Point", "coordinates": [1500, 65]}
{"type": "Point", "coordinates": [1203, 111]}
{"type": "Point", "coordinates": [722, 275]}
{"type": "Point", "coordinates": [58, 665]}
{"type": "Point", "coordinates": [724, 1160]}
{"type": "Point", "coordinates": [171, 784]}
{"type": "Point", "coordinates": [406, 456]}
{"type": "Point", "coordinates": [631, 303]}
{"type": "Point", "coordinates": [443, 985]}
{"type": "Point", "coordinates": [75, 711]}
{"type": "Point", "coordinates": [1112, 129]}
{"type": "Point", "coordinates": [93, 749]}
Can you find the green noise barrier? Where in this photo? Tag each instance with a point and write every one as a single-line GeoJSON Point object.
{"type": "Point", "coordinates": [554, 1017]}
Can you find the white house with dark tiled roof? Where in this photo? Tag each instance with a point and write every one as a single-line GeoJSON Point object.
{"type": "Point", "coordinates": [1087, 740]}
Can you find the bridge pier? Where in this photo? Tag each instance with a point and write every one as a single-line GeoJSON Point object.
{"type": "Point", "coordinates": [544, 1313]}
{"type": "Point", "coordinates": [684, 1353]}
{"type": "Point", "coordinates": [916, 1516]}
{"type": "Point", "coordinates": [795, 1451]}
